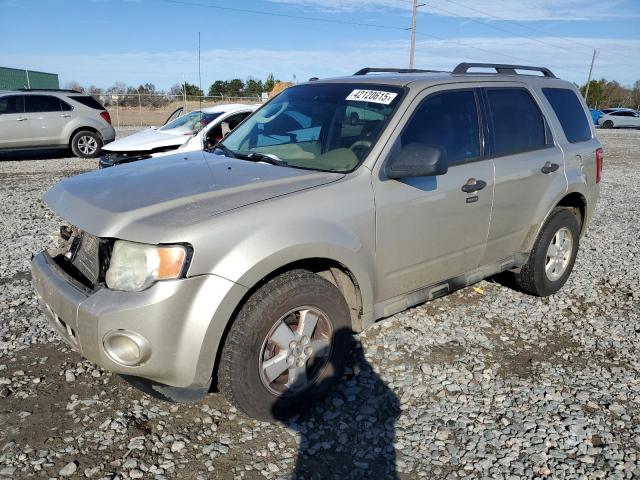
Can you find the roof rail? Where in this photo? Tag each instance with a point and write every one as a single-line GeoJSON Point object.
{"type": "Point", "coordinates": [47, 90]}
{"type": "Point", "coordinates": [505, 69]}
{"type": "Point", "coordinates": [366, 70]}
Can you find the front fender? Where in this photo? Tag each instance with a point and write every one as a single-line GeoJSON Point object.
{"type": "Point", "coordinates": [267, 250]}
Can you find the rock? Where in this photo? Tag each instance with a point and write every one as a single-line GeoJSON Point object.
{"type": "Point", "coordinates": [68, 470]}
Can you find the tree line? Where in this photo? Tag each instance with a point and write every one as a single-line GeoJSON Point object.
{"type": "Point", "coordinates": [607, 94]}
{"type": "Point", "coordinates": [236, 87]}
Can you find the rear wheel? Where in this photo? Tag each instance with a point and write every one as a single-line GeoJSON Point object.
{"type": "Point", "coordinates": [607, 124]}
{"type": "Point", "coordinates": [287, 346]}
{"type": "Point", "coordinates": [86, 144]}
{"type": "Point", "coordinates": [553, 255]}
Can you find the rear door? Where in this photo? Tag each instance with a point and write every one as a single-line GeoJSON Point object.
{"type": "Point", "coordinates": [15, 130]}
{"type": "Point", "coordinates": [529, 167]}
{"type": "Point", "coordinates": [427, 228]}
{"type": "Point", "coordinates": [47, 117]}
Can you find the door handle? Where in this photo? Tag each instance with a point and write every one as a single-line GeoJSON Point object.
{"type": "Point", "coordinates": [473, 185]}
{"type": "Point", "coordinates": [549, 167]}
{"type": "Point", "coordinates": [21, 119]}
{"type": "Point", "coordinates": [66, 115]}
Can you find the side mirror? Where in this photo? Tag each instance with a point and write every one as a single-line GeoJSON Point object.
{"type": "Point", "coordinates": [417, 160]}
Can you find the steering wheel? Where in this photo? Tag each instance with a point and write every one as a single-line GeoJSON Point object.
{"type": "Point", "coordinates": [358, 147]}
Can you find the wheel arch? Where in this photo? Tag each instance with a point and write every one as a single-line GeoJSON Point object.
{"type": "Point", "coordinates": [575, 200]}
{"type": "Point", "coordinates": [329, 268]}
{"type": "Point", "coordinates": [80, 129]}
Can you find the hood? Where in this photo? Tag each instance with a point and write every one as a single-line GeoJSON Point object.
{"type": "Point", "coordinates": [147, 140]}
{"type": "Point", "coordinates": [153, 201]}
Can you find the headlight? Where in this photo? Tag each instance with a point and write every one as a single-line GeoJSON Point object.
{"type": "Point", "coordinates": [136, 266]}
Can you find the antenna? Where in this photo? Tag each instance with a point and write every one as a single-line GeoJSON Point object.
{"type": "Point", "coordinates": [200, 78]}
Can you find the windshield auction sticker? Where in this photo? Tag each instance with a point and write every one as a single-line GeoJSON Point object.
{"type": "Point", "coordinates": [375, 96]}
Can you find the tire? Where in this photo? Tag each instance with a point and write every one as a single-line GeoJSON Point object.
{"type": "Point", "coordinates": [607, 124]}
{"type": "Point", "coordinates": [244, 375]}
{"type": "Point", "coordinates": [86, 144]}
{"type": "Point", "coordinates": [541, 276]}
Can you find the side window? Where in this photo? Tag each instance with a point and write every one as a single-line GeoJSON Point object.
{"type": "Point", "coordinates": [447, 121]}
{"type": "Point", "coordinates": [41, 103]}
{"type": "Point", "coordinates": [64, 106]}
{"type": "Point", "coordinates": [518, 126]}
{"type": "Point", "coordinates": [568, 109]}
{"type": "Point", "coordinates": [12, 104]}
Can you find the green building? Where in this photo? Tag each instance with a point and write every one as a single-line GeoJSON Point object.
{"type": "Point", "coordinates": [12, 78]}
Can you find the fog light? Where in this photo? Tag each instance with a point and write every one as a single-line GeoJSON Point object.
{"type": "Point", "coordinates": [126, 348]}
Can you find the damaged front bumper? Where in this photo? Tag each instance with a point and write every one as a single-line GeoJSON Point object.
{"type": "Point", "coordinates": [173, 318]}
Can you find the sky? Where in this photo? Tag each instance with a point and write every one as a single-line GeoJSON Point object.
{"type": "Point", "coordinates": [100, 42]}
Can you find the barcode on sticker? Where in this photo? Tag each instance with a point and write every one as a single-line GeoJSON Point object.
{"type": "Point", "coordinates": [375, 96]}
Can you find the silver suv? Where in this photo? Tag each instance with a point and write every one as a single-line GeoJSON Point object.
{"type": "Point", "coordinates": [337, 203]}
{"type": "Point", "coordinates": [44, 119]}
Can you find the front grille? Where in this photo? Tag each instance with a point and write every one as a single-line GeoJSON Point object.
{"type": "Point", "coordinates": [87, 257]}
{"type": "Point", "coordinates": [82, 256]}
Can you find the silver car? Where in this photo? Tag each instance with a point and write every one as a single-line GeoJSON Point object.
{"type": "Point", "coordinates": [45, 119]}
{"type": "Point", "coordinates": [336, 204]}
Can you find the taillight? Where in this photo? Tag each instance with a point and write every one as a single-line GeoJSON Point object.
{"type": "Point", "coordinates": [599, 159]}
{"type": "Point", "coordinates": [106, 117]}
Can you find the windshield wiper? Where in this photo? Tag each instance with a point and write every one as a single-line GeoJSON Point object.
{"type": "Point", "coordinates": [261, 157]}
{"type": "Point", "coordinates": [227, 151]}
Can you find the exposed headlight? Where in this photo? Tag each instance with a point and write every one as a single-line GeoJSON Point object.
{"type": "Point", "coordinates": [136, 266]}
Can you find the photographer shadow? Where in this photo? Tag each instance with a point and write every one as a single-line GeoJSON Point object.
{"type": "Point", "coordinates": [350, 434]}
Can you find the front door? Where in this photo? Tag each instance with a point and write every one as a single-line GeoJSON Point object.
{"type": "Point", "coordinates": [427, 228]}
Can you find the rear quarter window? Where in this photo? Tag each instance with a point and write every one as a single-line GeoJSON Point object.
{"type": "Point", "coordinates": [568, 109]}
{"type": "Point", "coordinates": [87, 101]}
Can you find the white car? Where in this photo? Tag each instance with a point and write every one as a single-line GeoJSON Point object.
{"type": "Point", "coordinates": [620, 118]}
{"type": "Point", "coordinates": [192, 131]}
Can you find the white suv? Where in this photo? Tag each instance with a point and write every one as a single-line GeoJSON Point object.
{"type": "Point", "coordinates": [37, 119]}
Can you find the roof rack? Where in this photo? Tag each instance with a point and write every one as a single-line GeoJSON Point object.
{"type": "Point", "coordinates": [501, 68]}
{"type": "Point", "coordinates": [366, 70]}
{"type": "Point", "coordinates": [47, 90]}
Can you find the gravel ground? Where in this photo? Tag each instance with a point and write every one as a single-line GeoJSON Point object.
{"type": "Point", "coordinates": [485, 382]}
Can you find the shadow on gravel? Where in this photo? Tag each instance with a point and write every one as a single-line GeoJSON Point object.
{"type": "Point", "coordinates": [48, 154]}
{"type": "Point", "coordinates": [349, 435]}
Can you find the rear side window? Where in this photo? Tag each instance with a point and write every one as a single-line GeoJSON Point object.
{"type": "Point", "coordinates": [570, 113]}
{"type": "Point", "coordinates": [518, 124]}
{"type": "Point", "coordinates": [87, 101]}
{"type": "Point", "coordinates": [12, 104]}
{"type": "Point", "coordinates": [448, 121]}
{"type": "Point", "coordinates": [42, 103]}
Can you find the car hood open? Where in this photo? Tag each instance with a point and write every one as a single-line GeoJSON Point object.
{"type": "Point", "coordinates": [146, 141]}
{"type": "Point", "coordinates": [154, 201]}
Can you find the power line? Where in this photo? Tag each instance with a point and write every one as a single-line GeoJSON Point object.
{"type": "Point", "coordinates": [528, 27]}
{"type": "Point", "coordinates": [501, 29]}
{"type": "Point", "coordinates": [342, 22]}
{"type": "Point", "coordinates": [282, 15]}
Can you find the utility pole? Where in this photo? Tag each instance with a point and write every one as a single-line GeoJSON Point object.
{"type": "Point", "coordinates": [413, 31]}
{"type": "Point", "coordinates": [593, 59]}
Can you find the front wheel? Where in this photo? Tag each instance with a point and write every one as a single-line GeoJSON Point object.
{"type": "Point", "coordinates": [551, 261]}
{"type": "Point", "coordinates": [607, 124]}
{"type": "Point", "coordinates": [86, 144]}
{"type": "Point", "coordinates": [287, 346]}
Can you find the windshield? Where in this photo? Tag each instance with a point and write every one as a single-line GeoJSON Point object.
{"type": "Point", "coordinates": [192, 122]}
{"type": "Point", "coordinates": [329, 127]}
